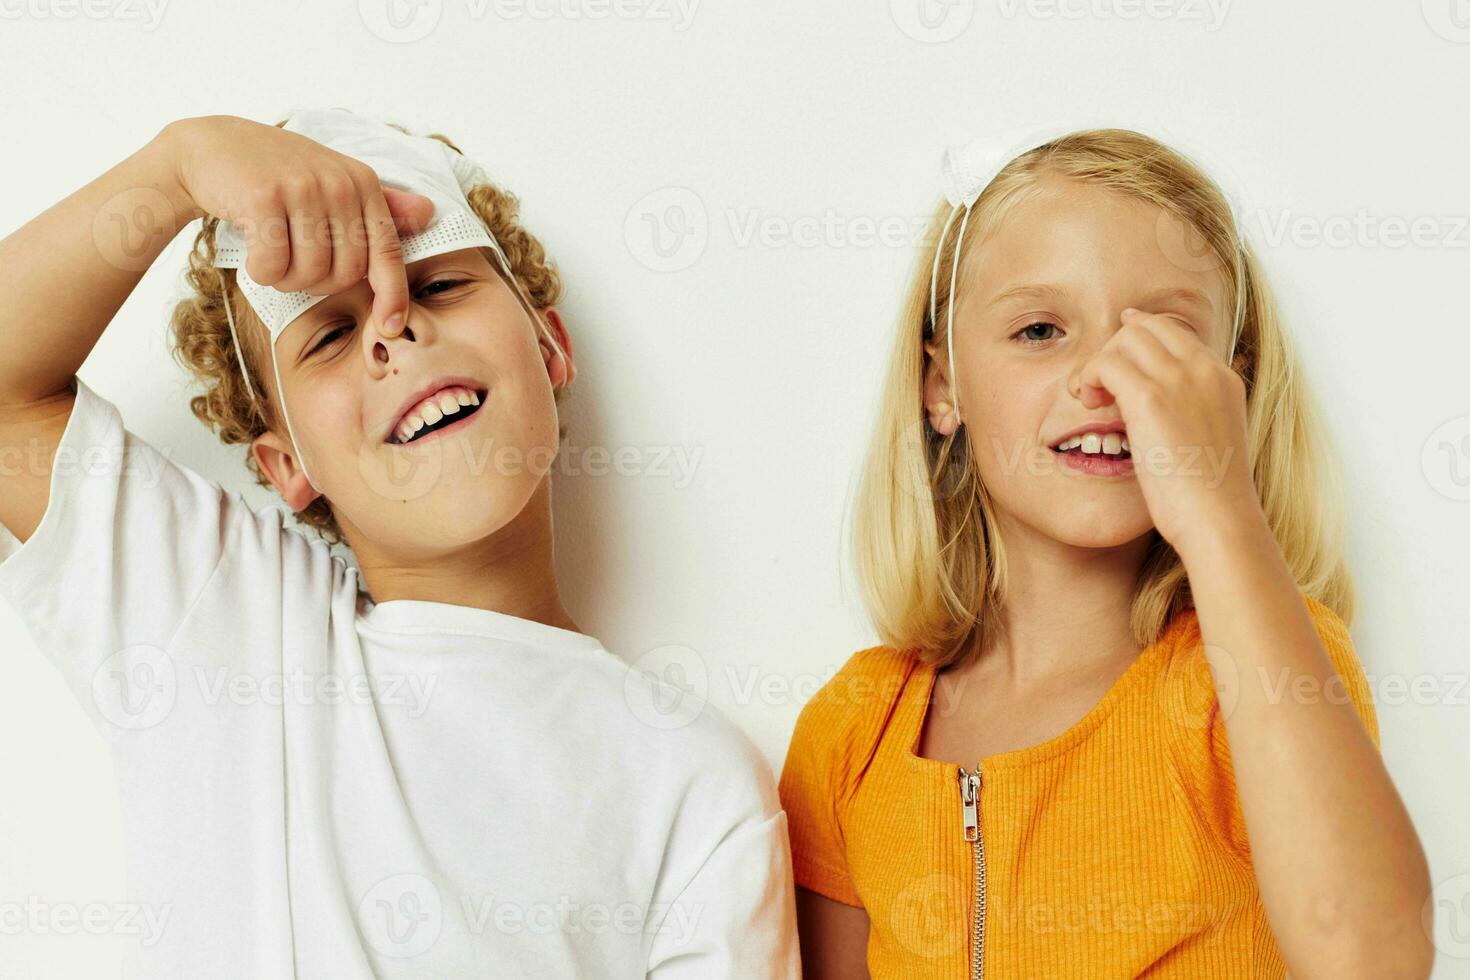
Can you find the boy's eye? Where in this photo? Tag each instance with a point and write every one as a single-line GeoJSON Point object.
{"type": "Point", "coordinates": [332, 336]}
{"type": "Point", "coordinates": [441, 286]}
{"type": "Point", "coordinates": [436, 288]}
{"type": "Point", "coordinates": [1026, 335]}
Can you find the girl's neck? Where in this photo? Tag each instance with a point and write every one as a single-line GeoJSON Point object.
{"type": "Point", "coordinates": [513, 571]}
{"type": "Point", "coordinates": [1066, 606]}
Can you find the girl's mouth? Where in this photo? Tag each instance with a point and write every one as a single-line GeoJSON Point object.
{"type": "Point", "coordinates": [1099, 463]}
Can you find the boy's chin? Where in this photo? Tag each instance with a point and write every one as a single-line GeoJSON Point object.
{"type": "Point", "coordinates": [460, 513]}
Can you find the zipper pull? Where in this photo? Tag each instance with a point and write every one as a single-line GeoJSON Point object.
{"type": "Point", "coordinates": [969, 802]}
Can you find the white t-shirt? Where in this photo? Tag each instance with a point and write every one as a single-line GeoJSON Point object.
{"type": "Point", "coordinates": [316, 786]}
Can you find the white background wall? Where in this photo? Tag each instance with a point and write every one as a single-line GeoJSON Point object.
{"type": "Point", "coordinates": [758, 355]}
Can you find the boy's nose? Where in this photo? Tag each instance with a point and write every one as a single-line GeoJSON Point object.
{"type": "Point", "coordinates": [380, 349]}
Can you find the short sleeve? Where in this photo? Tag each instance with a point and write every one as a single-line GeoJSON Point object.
{"type": "Point", "coordinates": [128, 541]}
{"type": "Point", "coordinates": [729, 857]}
{"type": "Point", "coordinates": [831, 744]}
{"type": "Point", "coordinates": [1351, 684]}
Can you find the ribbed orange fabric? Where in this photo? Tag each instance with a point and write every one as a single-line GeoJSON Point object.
{"type": "Point", "coordinates": [1116, 849]}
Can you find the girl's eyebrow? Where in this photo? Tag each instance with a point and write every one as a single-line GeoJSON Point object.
{"type": "Point", "coordinates": [1037, 290]}
{"type": "Point", "coordinates": [1182, 294]}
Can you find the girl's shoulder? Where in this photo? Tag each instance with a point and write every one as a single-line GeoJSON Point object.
{"type": "Point", "coordinates": [839, 728]}
{"type": "Point", "coordinates": [865, 688]}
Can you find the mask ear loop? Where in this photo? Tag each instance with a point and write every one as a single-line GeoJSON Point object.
{"type": "Point", "coordinates": [527, 306]}
{"type": "Point", "coordinates": [276, 367]}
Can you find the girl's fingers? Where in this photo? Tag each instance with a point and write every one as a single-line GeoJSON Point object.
{"type": "Point", "coordinates": [1111, 376]}
{"type": "Point", "coordinates": [1148, 350]}
{"type": "Point", "coordinates": [1181, 339]}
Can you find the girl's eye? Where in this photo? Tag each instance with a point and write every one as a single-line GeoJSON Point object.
{"type": "Point", "coordinates": [1028, 338]}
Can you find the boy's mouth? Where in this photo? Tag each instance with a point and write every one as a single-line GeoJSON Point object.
{"type": "Point", "coordinates": [444, 404]}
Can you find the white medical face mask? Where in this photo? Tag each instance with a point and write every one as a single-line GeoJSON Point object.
{"type": "Point", "coordinates": [965, 172]}
{"type": "Point", "coordinates": [402, 162]}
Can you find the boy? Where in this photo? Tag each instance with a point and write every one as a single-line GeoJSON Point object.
{"type": "Point", "coordinates": [415, 767]}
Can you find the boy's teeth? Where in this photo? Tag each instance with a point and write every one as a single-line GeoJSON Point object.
{"type": "Point", "coordinates": [433, 409]}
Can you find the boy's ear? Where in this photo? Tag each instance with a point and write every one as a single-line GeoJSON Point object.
{"type": "Point", "coordinates": [559, 364]}
{"type": "Point", "coordinates": [938, 402]}
{"type": "Point", "coordinates": [274, 455]}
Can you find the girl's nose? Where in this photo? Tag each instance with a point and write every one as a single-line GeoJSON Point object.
{"type": "Point", "coordinates": [1085, 352]}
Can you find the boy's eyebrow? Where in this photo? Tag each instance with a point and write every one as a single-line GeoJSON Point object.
{"type": "Point", "coordinates": [1183, 294]}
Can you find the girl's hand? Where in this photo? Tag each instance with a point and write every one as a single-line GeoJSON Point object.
{"type": "Point", "coordinates": [1185, 412]}
{"type": "Point", "coordinates": [313, 219]}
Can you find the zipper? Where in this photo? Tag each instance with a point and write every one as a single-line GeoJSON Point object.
{"type": "Point", "coordinates": [970, 807]}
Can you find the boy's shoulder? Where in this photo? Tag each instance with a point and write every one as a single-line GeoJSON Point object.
{"type": "Point", "coordinates": [659, 707]}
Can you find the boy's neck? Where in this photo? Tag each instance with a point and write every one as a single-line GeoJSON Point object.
{"type": "Point", "coordinates": [512, 572]}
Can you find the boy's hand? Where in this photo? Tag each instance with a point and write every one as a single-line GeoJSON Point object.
{"type": "Point", "coordinates": [313, 219]}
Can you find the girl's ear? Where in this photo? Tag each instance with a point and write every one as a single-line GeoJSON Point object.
{"type": "Point", "coordinates": [938, 401]}
{"type": "Point", "coordinates": [274, 455]}
{"type": "Point", "coordinates": [559, 365]}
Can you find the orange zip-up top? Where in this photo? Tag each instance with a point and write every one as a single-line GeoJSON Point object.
{"type": "Point", "coordinates": [1115, 849]}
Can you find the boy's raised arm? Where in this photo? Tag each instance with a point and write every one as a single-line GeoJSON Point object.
{"type": "Point", "coordinates": [63, 277]}
{"type": "Point", "coordinates": [66, 272]}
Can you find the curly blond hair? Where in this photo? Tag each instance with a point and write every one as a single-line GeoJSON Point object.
{"type": "Point", "coordinates": [202, 343]}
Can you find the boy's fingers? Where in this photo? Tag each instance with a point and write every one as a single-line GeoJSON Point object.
{"type": "Point", "coordinates": [411, 212]}
{"type": "Point", "coordinates": [267, 246]}
{"type": "Point", "coordinates": [386, 274]}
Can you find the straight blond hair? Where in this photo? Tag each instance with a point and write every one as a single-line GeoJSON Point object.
{"type": "Point", "coordinates": [931, 563]}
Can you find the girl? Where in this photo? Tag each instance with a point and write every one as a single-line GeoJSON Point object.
{"type": "Point", "coordinates": [1117, 726]}
{"type": "Point", "coordinates": [415, 767]}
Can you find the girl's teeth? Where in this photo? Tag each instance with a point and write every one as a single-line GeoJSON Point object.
{"type": "Point", "coordinates": [430, 413]}
{"type": "Point", "coordinates": [1094, 443]}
